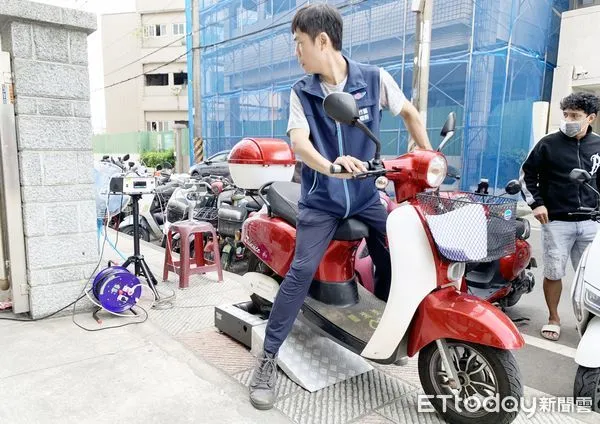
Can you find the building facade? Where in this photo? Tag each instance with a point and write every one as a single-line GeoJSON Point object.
{"type": "Point", "coordinates": [145, 70]}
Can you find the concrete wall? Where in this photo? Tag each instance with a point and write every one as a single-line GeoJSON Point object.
{"type": "Point", "coordinates": [576, 53]}
{"type": "Point", "coordinates": [48, 47]}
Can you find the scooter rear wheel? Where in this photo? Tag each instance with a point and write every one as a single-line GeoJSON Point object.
{"type": "Point", "coordinates": [488, 376]}
{"type": "Point", "coordinates": [587, 385]}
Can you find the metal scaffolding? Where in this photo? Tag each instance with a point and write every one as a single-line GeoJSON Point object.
{"type": "Point", "coordinates": [490, 61]}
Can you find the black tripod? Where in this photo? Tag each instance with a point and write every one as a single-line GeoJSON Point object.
{"type": "Point", "coordinates": [141, 267]}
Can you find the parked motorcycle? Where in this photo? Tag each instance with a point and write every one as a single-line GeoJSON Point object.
{"type": "Point", "coordinates": [234, 207]}
{"type": "Point", "coordinates": [463, 342]}
{"type": "Point", "coordinates": [502, 281]}
{"type": "Point", "coordinates": [585, 298]}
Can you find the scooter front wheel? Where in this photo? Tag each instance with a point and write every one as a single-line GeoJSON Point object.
{"type": "Point", "coordinates": [587, 385]}
{"type": "Point", "coordinates": [144, 234]}
{"type": "Point", "coordinates": [490, 383]}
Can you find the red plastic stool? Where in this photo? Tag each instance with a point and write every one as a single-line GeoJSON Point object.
{"type": "Point", "coordinates": [183, 267]}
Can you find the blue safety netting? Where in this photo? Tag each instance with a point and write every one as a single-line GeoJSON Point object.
{"type": "Point", "coordinates": [490, 61]}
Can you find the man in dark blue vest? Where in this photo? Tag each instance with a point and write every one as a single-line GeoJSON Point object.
{"type": "Point", "coordinates": [327, 199]}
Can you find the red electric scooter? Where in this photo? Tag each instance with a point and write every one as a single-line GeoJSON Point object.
{"type": "Point", "coordinates": [463, 342]}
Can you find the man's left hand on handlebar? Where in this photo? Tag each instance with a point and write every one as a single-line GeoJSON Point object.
{"type": "Point", "coordinates": [351, 165]}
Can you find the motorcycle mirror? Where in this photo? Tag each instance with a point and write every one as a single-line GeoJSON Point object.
{"type": "Point", "coordinates": [449, 125]}
{"type": "Point", "coordinates": [105, 157]}
{"type": "Point", "coordinates": [580, 175]}
{"type": "Point", "coordinates": [126, 157]}
{"type": "Point", "coordinates": [341, 107]}
{"type": "Point", "coordinates": [131, 164]}
{"type": "Point", "coordinates": [447, 130]}
{"type": "Point", "coordinates": [513, 187]}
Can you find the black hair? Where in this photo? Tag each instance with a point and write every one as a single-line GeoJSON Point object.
{"type": "Point", "coordinates": [586, 102]}
{"type": "Point", "coordinates": [314, 19]}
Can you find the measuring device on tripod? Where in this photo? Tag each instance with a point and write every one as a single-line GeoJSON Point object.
{"type": "Point", "coordinates": [116, 288]}
{"type": "Point", "coordinates": [131, 185]}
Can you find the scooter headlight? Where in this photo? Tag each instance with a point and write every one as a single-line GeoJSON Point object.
{"type": "Point", "coordinates": [436, 171]}
{"type": "Point", "coordinates": [592, 299]}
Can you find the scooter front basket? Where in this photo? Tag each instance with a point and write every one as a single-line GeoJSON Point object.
{"type": "Point", "coordinates": [468, 227]}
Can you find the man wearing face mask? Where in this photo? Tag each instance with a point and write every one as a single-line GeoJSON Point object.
{"type": "Point", "coordinates": [551, 194]}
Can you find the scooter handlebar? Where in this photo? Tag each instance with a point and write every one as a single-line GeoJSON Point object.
{"type": "Point", "coordinates": [339, 169]}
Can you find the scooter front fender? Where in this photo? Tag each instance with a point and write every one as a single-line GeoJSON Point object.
{"type": "Point", "coordinates": [588, 350]}
{"type": "Point", "coordinates": [449, 314]}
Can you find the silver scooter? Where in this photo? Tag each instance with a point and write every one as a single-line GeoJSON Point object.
{"type": "Point", "coordinates": [585, 298]}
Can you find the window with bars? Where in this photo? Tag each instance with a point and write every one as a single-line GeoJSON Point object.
{"type": "Point", "coordinates": [159, 30]}
{"type": "Point", "coordinates": [158, 126]}
{"type": "Point", "coordinates": [178, 29]}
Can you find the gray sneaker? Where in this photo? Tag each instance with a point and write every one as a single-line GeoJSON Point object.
{"type": "Point", "coordinates": [264, 379]}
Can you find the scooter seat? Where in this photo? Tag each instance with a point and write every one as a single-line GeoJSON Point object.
{"type": "Point", "coordinates": [283, 198]}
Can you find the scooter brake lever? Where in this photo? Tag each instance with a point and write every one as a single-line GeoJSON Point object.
{"type": "Point", "coordinates": [367, 174]}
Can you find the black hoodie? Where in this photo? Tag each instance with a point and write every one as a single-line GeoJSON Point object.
{"type": "Point", "coordinates": [545, 174]}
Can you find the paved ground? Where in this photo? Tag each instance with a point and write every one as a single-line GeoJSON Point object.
{"type": "Point", "coordinates": [178, 368]}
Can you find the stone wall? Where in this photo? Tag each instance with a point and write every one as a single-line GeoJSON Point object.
{"type": "Point", "coordinates": [48, 48]}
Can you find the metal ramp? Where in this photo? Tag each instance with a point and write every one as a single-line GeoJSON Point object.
{"type": "Point", "coordinates": [309, 359]}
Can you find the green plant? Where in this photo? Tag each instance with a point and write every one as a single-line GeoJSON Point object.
{"type": "Point", "coordinates": [151, 159]}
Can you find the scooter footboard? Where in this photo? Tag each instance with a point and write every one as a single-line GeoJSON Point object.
{"type": "Point", "coordinates": [448, 314]}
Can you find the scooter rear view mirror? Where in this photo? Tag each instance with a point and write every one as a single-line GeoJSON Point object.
{"type": "Point", "coordinates": [580, 175]}
{"type": "Point", "coordinates": [513, 187]}
{"type": "Point", "coordinates": [447, 130]}
{"type": "Point", "coordinates": [449, 125]}
{"type": "Point", "coordinates": [341, 107]}
{"type": "Point", "coordinates": [126, 157]}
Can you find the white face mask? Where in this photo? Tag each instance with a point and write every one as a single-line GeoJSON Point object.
{"type": "Point", "coordinates": [570, 128]}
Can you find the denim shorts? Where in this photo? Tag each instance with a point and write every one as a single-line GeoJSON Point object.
{"type": "Point", "coordinates": [561, 240]}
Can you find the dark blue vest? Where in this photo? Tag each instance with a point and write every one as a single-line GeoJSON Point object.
{"type": "Point", "coordinates": [340, 197]}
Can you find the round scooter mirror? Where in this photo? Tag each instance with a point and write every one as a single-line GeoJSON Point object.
{"type": "Point", "coordinates": [126, 157]}
{"type": "Point", "coordinates": [341, 107]}
{"type": "Point", "coordinates": [580, 175]}
{"type": "Point", "coordinates": [513, 187]}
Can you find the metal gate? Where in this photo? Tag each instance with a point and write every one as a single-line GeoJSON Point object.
{"type": "Point", "coordinates": [13, 269]}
